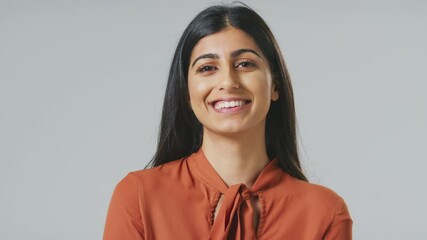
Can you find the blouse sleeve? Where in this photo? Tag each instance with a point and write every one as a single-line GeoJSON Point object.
{"type": "Point", "coordinates": [341, 226]}
{"type": "Point", "coordinates": [124, 220]}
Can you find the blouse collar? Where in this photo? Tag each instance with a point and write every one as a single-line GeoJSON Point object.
{"type": "Point", "coordinates": [204, 171]}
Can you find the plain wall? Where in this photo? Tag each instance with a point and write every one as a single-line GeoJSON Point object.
{"type": "Point", "coordinates": [82, 84]}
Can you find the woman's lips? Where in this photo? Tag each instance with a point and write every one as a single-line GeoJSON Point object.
{"type": "Point", "coordinates": [229, 105]}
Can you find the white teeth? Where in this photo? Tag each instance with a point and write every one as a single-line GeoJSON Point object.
{"type": "Point", "coordinates": [228, 104]}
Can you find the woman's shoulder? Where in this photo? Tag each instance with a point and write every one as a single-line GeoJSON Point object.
{"type": "Point", "coordinates": [311, 192]}
{"type": "Point", "coordinates": [312, 204]}
{"type": "Point", "coordinates": [163, 170]}
{"type": "Point", "coordinates": [318, 203]}
{"type": "Point", "coordinates": [167, 173]}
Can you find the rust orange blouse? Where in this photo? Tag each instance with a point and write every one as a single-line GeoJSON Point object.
{"type": "Point", "coordinates": [177, 200]}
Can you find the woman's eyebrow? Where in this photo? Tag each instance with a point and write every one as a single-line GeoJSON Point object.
{"type": "Point", "coordinates": [207, 55]}
{"type": "Point", "coordinates": [236, 53]}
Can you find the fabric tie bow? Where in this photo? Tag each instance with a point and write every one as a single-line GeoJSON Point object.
{"type": "Point", "coordinates": [235, 219]}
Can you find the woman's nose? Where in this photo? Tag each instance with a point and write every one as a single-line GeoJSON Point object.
{"type": "Point", "coordinates": [229, 80]}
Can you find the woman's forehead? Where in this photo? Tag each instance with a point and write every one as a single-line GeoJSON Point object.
{"type": "Point", "coordinates": [224, 42]}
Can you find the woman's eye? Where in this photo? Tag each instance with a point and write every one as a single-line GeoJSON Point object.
{"type": "Point", "coordinates": [206, 68]}
{"type": "Point", "coordinates": [245, 64]}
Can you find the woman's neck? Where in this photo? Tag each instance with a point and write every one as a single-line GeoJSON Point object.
{"type": "Point", "coordinates": [236, 158]}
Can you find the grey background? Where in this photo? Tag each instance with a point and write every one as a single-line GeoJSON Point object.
{"type": "Point", "coordinates": [81, 89]}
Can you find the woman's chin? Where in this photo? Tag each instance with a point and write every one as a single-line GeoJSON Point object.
{"type": "Point", "coordinates": [228, 130]}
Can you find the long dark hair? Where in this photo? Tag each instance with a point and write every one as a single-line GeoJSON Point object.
{"type": "Point", "coordinates": [181, 133]}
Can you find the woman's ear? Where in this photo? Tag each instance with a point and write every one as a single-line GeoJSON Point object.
{"type": "Point", "coordinates": [189, 104]}
{"type": "Point", "coordinates": [274, 94]}
{"type": "Point", "coordinates": [274, 90]}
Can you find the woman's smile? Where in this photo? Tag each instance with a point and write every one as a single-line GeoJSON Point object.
{"type": "Point", "coordinates": [229, 105]}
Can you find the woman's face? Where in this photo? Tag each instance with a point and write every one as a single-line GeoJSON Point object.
{"type": "Point", "coordinates": [230, 83]}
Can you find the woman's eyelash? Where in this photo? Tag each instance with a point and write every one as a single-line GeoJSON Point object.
{"type": "Point", "coordinates": [205, 68]}
{"type": "Point", "coordinates": [245, 63]}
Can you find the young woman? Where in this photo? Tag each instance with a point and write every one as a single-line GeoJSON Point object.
{"type": "Point", "coordinates": [226, 165]}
